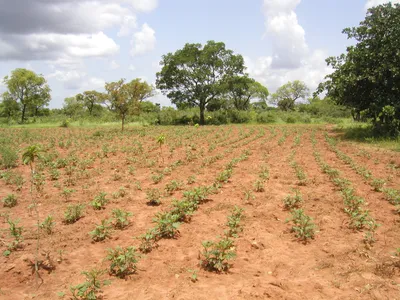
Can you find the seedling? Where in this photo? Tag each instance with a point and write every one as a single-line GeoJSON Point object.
{"type": "Point", "coordinates": [293, 201]}
{"type": "Point", "coordinates": [120, 218]}
{"type": "Point", "coordinates": [148, 241]}
{"type": "Point", "coordinates": [102, 231]}
{"type": "Point", "coordinates": [216, 255]}
{"type": "Point", "coordinates": [48, 225]}
{"type": "Point", "coordinates": [99, 201]}
{"type": "Point", "coordinates": [234, 222]}
{"type": "Point", "coordinates": [123, 261]}
{"type": "Point", "coordinates": [91, 288]}
{"type": "Point", "coordinates": [167, 225]}
{"type": "Point", "coordinates": [73, 213]}
{"type": "Point", "coordinates": [10, 201]}
{"type": "Point", "coordinates": [303, 225]}
{"type": "Point", "coordinates": [154, 196]}
{"type": "Point", "coordinates": [259, 186]}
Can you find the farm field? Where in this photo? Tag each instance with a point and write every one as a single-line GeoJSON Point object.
{"type": "Point", "coordinates": [308, 216]}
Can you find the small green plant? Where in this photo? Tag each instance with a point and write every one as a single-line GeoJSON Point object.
{"type": "Point", "coordinates": [148, 241]}
{"type": "Point", "coordinates": [120, 193]}
{"type": "Point", "coordinates": [157, 178]}
{"type": "Point", "coordinates": [91, 288]}
{"type": "Point", "coordinates": [378, 184]}
{"type": "Point", "coordinates": [264, 173]}
{"type": "Point", "coordinates": [259, 186]}
{"type": "Point", "coordinates": [173, 186]}
{"type": "Point", "coordinates": [99, 202]}
{"type": "Point", "coordinates": [248, 196]}
{"type": "Point", "coordinates": [234, 222]}
{"type": "Point", "coordinates": [184, 209]}
{"type": "Point", "coordinates": [102, 231]}
{"type": "Point", "coordinates": [303, 225]}
{"type": "Point", "coordinates": [293, 201]}
{"type": "Point", "coordinates": [225, 175]}
{"type": "Point", "coordinates": [10, 201]}
{"type": "Point", "coordinates": [154, 196]}
{"type": "Point", "coordinates": [73, 213]}
{"type": "Point", "coordinates": [16, 233]}
{"type": "Point", "coordinates": [66, 193]}
{"type": "Point", "coordinates": [123, 261]}
{"type": "Point", "coordinates": [120, 218]}
{"type": "Point", "coordinates": [191, 179]}
{"type": "Point", "coordinates": [167, 225]}
{"type": "Point", "coordinates": [8, 157]}
{"type": "Point", "coordinates": [392, 195]}
{"type": "Point", "coordinates": [193, 275]}
{"type": "Point", "coordinates": [48, 224]}
{"type": "Point", "coordinates": [54, 174]}
{"type": "Point", "coordinates": [216, 255]}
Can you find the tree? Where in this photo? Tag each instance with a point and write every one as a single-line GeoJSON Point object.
{"type": "Point", "coordinates": [367, 77]}
{"type": "Point", "coordinates": [125, 98]}
{"type": "Point", "coordinates": [28, 88]}
{"type": "Point", "coordinates": [196, 75]}
{"type": "Point", "coordinates": [286, 96]}
{"type": "Point", "coordinates": [72, 107]}
{"type": "Point", "coordinates": [89, 99]}
{"type": "Point", "coordinates": [242, 89]}
{"type": "Point", "coordinates": [9, 107]}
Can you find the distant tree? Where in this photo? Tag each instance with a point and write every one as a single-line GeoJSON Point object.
{"type": "Point", "coordinates": [149, 107]}
{"type": "Point", "coordinates": [240, 90]}
{"type": "Point", "coordinates": [72, 107]}
{"type": "Point", "coordinates": [9, 107]}
{"type": "Point", "coordinates": [90, 99]}
{"type": "Point", "coordinates": [125, 98]}
{"type": "Point", "coordinates": [196, 75]}
{"type": "Point", "coordinates": [286, 96]}
{"type": "Point", "coordinates": [28, 89]}
{"type": "Point", "coordinates": [367, 77]}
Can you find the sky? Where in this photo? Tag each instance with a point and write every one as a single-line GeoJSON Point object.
{"type": "Point", "coordinates": [79, 45]}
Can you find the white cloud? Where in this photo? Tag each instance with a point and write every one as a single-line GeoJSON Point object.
{"type": "Point", "coordinates": [372, 3]}
{"type": "Point", "coordinates": [114, 65]}
{"type": "Point", "coordinates": [291, 57]}
{"type": "Point", "coordinates": [144, 5]}
{"type": "Point", "coordinates": [129, 23]}
{"type": "Point", "coordinates": [143, 41]}
{"type": "Point", "coordinates": [77, 80]}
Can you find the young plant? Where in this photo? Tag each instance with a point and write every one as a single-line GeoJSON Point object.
{"type": "Point", "coordinates": [259, 186]}
{"type": "Point", "coordinates": [216, 255]}
{"type": "Point", "coordinates": [191, 179]}
{"type": "Point", "coordinates": [66, 193]}
{"type": "Point", "coordinates": [123, 261]}
{"type": "Point", "coordinates": [91, 288]}
{"type": "Point", "coordinates": [303, 225]}
{"type": "Point", "coordinates": [99, 202]}
{"type": "Point", "coordinates": [120, 218]}
{"type": "Point", "coordinates": [48, 224]}
{"type": "Point", "coordinates": [148, 241]}
{"type": "Point", "coordinates": [378, 184]}
{"type": "Point", "coordinates": [184, 209]}
{"type": "Point", "coordinates": [225, 175]}
{"type": "Point", "coordinates": [10, 201]}
{"type": "Point", "coordinates": [173, 186]}
{"type": "Point", "coordinates": [248, 196]}
{"type": "Point", "coordinates": [293, 201]}
{"type": "Point", "coordinates": [73, 213]}
{"type": "Point", "coordinates": [167, 225]}
{"type": "Point", "coordinates": [157, 178]}
{"type": "Point", "coordinates": [102, 231]}
{"type": "Point", "coordinates": [154, 196]}
{"type": "Point", "coordinates": [234, 222]}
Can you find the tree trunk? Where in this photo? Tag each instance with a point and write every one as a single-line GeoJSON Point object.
{"type": "Point", "coordinates": [202, 119]}
{"type": "Point", "coordinates": [23, 113]}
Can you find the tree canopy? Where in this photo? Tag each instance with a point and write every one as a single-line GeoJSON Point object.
{"type": "Point", "coordinates": [28, 89]}
{"type": "Point", "coordinates": [286, 96]}
{"type": "Point", "coordinates": [367, 77]}
{"type": "Point", "coordinates": [196, 75]}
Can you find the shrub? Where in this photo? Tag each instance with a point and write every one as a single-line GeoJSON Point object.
{"type": "Point", "coordinates": [216, 255]}
{"type": "Point", "coordinates": [123, 261]}
{"type": "Point", "coordinates": [73, 213]}
{"type": "Point", "coordinates": [10, 201]}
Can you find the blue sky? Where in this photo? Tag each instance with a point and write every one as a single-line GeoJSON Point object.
{"type": "Point", "coordinates": [80, 44]}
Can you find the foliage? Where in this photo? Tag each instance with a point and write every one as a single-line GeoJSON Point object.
{"type": "Point", "coordinates": [148, 241]}
{"type": "Point", "coordinates": [48, 224]}
{"type": "Point", "coordinates": [91, 288]}
{"type": "Point", "coordinates": [286, 96]}
{"type": "Point", "coordinates": [167, 225]}
{"type": "Point", "coordinates": [8, 157]}
{"type": "Point", "coordinates": [367, 77]}
{"type": "Point", "coordinates": [293, 201]}
{"type": "Point", "coordinates": [303, 225]}
{"type": "Point", "coordinates": [73, 213]}
{"type": "Point", "coordinates": [102, 231]}
{"type": "Point", "coordinates": [234, 222]}
{"type": "Point", "coordinates": [99, 202]}
{"type": "Point", "coordinates": [123, 261]}
{"type": "Point", "coordinates": [216, 255]}
{"type": "Point", "coordinates": [196, 75]}
{"type": "Point", "coordinates": [120, 218]}
{"type": "Point", "coordinates": [10, 201]}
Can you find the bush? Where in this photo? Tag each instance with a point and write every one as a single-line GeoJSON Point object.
{"type": "Point", "coordinates": [266, 117]}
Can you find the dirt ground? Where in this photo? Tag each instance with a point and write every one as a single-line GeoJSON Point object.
{"type": "Point", "coordinates": [271, 263]}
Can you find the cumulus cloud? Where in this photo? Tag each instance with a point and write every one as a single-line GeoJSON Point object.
{"type": "Point", "coordinates": [143, 41]}
{"type": "Point", "coordinates": [144, 5]}
{"type": "Point", "coordinates": [77, 80]}
{"type": "Point", "coordinates": [372, 3]}
{"type": "Point", "coordinates": [291, 57]}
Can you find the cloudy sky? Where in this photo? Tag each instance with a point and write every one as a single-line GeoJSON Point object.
{"type": "Point", "coordinates": [79, 45]}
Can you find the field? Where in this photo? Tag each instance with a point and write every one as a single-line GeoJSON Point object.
{"type": "Point", "coordinates": [320, 217]}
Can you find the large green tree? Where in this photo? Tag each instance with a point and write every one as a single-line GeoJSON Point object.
{"type": "Point", "coordinates": [90, 99]}
{"type": "Point", "coordinates": [9, 107]}
{"type": "Point", "coordinates": [28, 89]}
{"type": "Point", "coordinates": [241, 90]}
{"type": "Point", "coordinates": [125, 98]}
{"type": "Point", "coordinates": [287, 95]}
{"type": "Point", "coordinates": [72, 107]}
{"type": "Point", "coordinates": [197, 75]}
{"type": "Point", "coordinates": [367, 77]}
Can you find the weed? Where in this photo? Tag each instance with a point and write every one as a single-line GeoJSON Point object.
{"type": "Point", "coordinates": [8, 157]}
{"type": "Point", "coordinates": [123, 261]}
{"type": "Point", "coordinates": [193, 275]}
{"type": "Point", "coordinates": [10, 201]}
{"type": "Point", "coordinates": [73, 213]}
